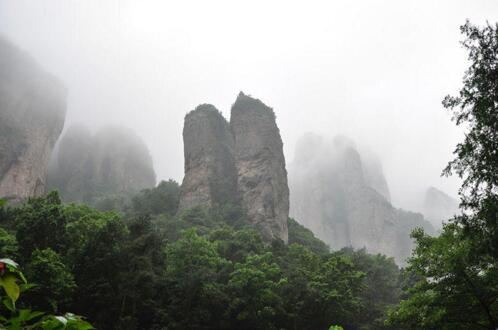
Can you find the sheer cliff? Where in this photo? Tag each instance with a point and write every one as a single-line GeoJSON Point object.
{"type": "Point", "coordinates": [259, 157]}
{"type": "Point", "coordinates": [331, 195]}
{"type": "Point", "coordinates": [32, 114]}
{"type": "Point", "coordinates": [240, 163]}
{"type": "Point", "coordinates": [87, 167]}
{"type": "Point", "coordinates": [210, 173]}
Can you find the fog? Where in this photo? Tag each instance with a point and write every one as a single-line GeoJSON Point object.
{"type": "Point", "coordinates": [375, 71]}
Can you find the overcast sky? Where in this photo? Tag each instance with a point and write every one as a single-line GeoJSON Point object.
{"type": "Point", "coordinates": [375, 71]}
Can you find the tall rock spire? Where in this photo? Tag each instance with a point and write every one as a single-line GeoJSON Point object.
{"type": "Point", "coordinates": [210, 174]}
{"type": "Point", "coordinates": [260, 162]}
{"type": "Point", "coordinates": [241, 163]}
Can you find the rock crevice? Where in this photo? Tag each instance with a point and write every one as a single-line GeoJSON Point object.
{"type": "Point", "coordinates": [210, 173]}
{"type": "Point", "coordinates": [240, 163]}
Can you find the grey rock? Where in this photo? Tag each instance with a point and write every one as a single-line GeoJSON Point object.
{"type": "Point", "coordinates": [210, 173]}
{"type": "Point", "coordinates": [71, 169]}
{"type": "Point", "coordinates": [241, 163]}
{"type": "Point", "coordinates": [123, 161]}
{"type": "Point", "coordinates": [259, 157]}
{"type": "Point", "coordinates": [438, 206]}
{"type": "Point", "coordinates": [114, 161]}
{"type": "Point", "coordinates": [374, 174]}
{"type": "Point", "coordinates": [331, 195]}
{"type": "Point", "coordinates": [32, 114]}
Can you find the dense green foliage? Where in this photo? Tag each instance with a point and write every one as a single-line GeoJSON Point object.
{"type": "Point", "coordinates": [151, 268]}
{"type": "Point", "coordinates": [12, 284]}
{"type": "Point", "coordinates": [477, 156]}
{"type": "Point", "coordinates": [454, 277]}
{"type": "Point", "coordinates": [302, 235]}
{"type": "Point", "coordinates": [162, 199]}
{"type": "Point", "coordinates": [103, 170]}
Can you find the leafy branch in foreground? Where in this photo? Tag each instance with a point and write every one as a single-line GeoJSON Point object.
{"type": "Point", "coordinates": [476, 160]}
{"type": "Point", "coordinates": [13, 283]}
{"type": "Point", "coordinates": [456, 274]}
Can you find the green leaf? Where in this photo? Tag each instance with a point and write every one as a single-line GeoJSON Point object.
{"type": "Point", "coordinates": [10, 262]}
{"type": "Point", "coordinates": [13, 267]}
{"type": "Point", "coordinates": [28, 314]}
{"type": "Point", "coordinates": [10, 286]}
{"type": "Point", "coordinates": [9, 304]}
{"type": "Point", "coordinates": [61, 319]}
{"type": "Point", "coordinates": [27, 286]}
{"type": "Point", "coordinates": [21, 275]}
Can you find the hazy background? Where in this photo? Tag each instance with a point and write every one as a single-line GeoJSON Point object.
{"type": "Point", "coordinates": [373, 70]}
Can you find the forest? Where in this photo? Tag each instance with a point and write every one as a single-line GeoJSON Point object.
{"type": "Point", "coordinates": [146, 264]}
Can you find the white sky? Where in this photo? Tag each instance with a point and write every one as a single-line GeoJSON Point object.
{"type": "Point", "coordinates": [372, 70]}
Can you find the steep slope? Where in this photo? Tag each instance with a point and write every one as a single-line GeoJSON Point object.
{"type": "Point", "coordinates": [374, 174]}
{"type": "Point", "coordinates": [241, 163]}
{"type": "Point", "coordinates": [123, 161]}
{"type": "Point", "coordinates": [438, 206]}
{"type": "Point", "coordinates": [330, 195]}
{"type": "Point", "coordinates": [210, 173]}
{"type": "Point", "coordinates": [72, 168]}
{"type": "Point", "coordinates": [260, 162]}
{"type": "Point", "coordinates": [113, 161]}
{"type": "Point", "coordinates": [32, 114]}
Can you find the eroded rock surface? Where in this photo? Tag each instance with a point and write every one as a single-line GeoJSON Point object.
{"type": "Point", "coordinates": [260, 162]}
{"type": "Point", "coordinates": [210, 173]}
{"type": "Point", "coordinates": [240, 163]}
{"type": "Point", "coordinates": [32, 114]}
{"type": "Point", "coordinates": [331, 195]}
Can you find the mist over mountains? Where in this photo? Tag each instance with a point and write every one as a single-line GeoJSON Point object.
{"type": "Point", "coordinates": [338, 192]}
{"type": "Point", "coordinates": [134, 58]}
{"type": "Point", "coordinates": [345, 199]}
{"type": "Point", "coordinates": [32, 114]}
{"type": "Point", "coordinates": [88, 168]}
{"type": "Point", "coordinates": [239, 164]}
{"type": "Point", "coordinates": [143, 188]}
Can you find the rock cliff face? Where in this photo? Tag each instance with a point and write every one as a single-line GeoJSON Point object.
{"type": "Point", "coordinates": [32, 113]}
{"type": "Point", "coordinates": [331, 195]}
{"type": "Point", "coordinates": [71, 169]}
{"type": "Point", "coordinates": [240, 163]}
{"type": "Point", "coordinates": [113, 161]}
{"type": "Point", "coordinates": [123, 161]}
{"type": "Point", "coordinates": [438, 206]}
{"type": "Point", "coordinates": [259, 157]}
{"type": "Point", "coordinates": [210, 173]}
{"type": "Point", "coordinates": [374, 175]}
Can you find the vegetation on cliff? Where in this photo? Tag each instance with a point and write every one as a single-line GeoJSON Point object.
{"type": "Point", "coordinates": [456, 285]}
{"type": "Point", "coordinates": [150, 269]}
{"type": "Point", "coordinates": [153, 266]}
{"type": "Point", "coordinates": [103, 170]}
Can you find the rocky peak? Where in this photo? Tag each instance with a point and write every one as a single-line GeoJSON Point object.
{"type": "Point", "coordinates": [438, 206]}
{"type": "Point", "coordinates": [332, 196]}
{"type": "Point", "coordinates": [374, 174]}
{"type": "Point", "coordinates": [210, 173]}
{"type": "Point", "coordinates": [260, 162]}
{"type": "Point", "coordinates": [113, 161]}
{"type": "Point", "coordinates": [123, 161]}
{"type": "Point", "coordinates": [240, 163]}
{"type": "Point", "coordinates": [32, 114]}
